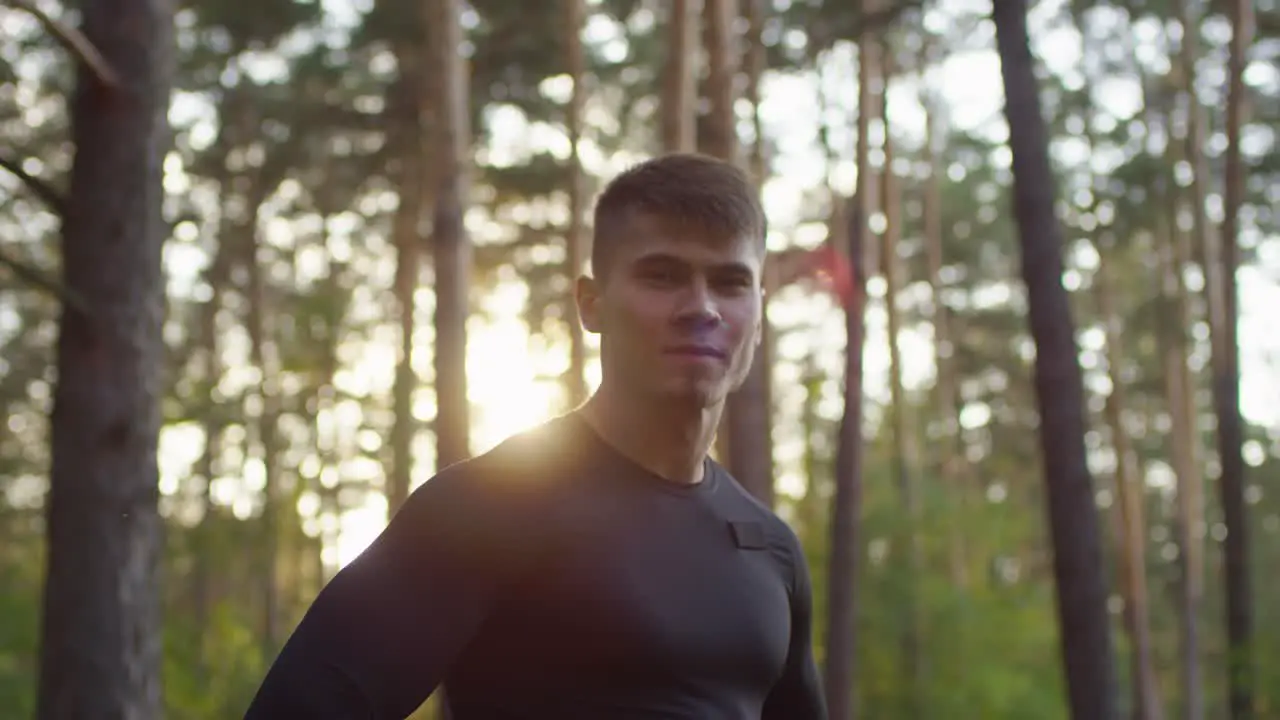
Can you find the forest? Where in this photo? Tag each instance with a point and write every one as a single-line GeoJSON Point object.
{"type": "Point", "coordinates": [266, 266]}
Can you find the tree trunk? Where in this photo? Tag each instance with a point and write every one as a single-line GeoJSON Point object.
{"type": "Point", "coordinates": [756, 64]}
{"type": "Point", "coordinates": [1206, 241]}
{"type": "Point", "coordinates": [814, 501]}
{"type": "Point", "coordinates": [745, 437]}
{"type": "Point", "coordinates": [1073, 514]}
{"type": "Point", "coordinates": [407, 227]}
{"type": "Point", "coordinates": [680, 79]}
{"type": "Point", "coordinates": [452, 250]}
{"type": "Point", "coordinates": [217, 277]}
{"type": "Point", "coordinates": [262, 353]}
{"type": "Point", "coordinates": [1183, 444]}
{"type": "Point", "coordinates": [904, 450]}
{"type": "Point", "coordinates": [1175, 322]}
{"type": "Point", "coordinates": [1202, 243]}
{"type": "Point", "coordinates": [721, 138]}
{"type": "Point", "coordinates": [100, 633]}
{"type": "Point", "coordinates": [950, 462]}
{"type": "Point", "coordinates": [576, 239]}
{"type": "Point", "coordinates": [1131, 535]}
{"type": "Point", "coordinates": [852, 231]}
{"type": "Point", "coordinates": [1226, 385]}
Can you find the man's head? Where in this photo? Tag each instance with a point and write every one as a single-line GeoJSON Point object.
{"type": "Point", "coordinates": [676, 293]}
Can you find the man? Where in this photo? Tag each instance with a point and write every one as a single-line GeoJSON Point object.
{"type": "Point", "coordinates": [601, 566]}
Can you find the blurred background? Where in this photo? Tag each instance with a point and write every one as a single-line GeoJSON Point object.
{"type": "Point", "coordinates": [374, 209]}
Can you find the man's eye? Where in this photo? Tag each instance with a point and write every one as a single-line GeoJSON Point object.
{"type": "Point", "coordinates": [734, 282]}
{"type": "Point", "coordinates": [659, 275]}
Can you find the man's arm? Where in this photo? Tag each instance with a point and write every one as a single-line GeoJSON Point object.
{"type": "Point", "coordinates": [387, 629]}
{"type": "Point", "coordinates": [798, 693]}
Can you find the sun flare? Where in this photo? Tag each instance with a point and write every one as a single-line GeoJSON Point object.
{"type": "Point", "coordinates": [512, 387]}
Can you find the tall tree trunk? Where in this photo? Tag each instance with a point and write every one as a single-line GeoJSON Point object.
{"type": "Point", "coordinates": [100, 632]}
{"type": "Point", "coordinates": [451, 247]}
{"type": "Point", "coordinates": [1183, 444]}
{"type": "Point", "coordinates": [721, 139]}
{"type": "Point", "coordinates": [326, 435]}
{"type": "Point", "coordinates": [1073, 514]}
{"type": "Point", "coordinates": [680, 78]}
{"type": "Point", "coordinates": [576, 239]}
{"type": "Point", "coordinates": [949, 452]}
{"type": "Point", "coordinates": [262, 353]}
{"type": "Point", "coordinates": [452, 250]}
{"type": "Point", "coordinates": [1205, 239]}
{"type": "Point", "coordinates": [1175, 322]}
{"type": "Point", "coordinates": [904, 449]}
{"type": "Point", "coordinates": [852, 231]}
{"type": "Point", "coordinates": [1226, 384]}
{"type": "Point", "coordinates": [745, 432]}
{"type": "Point", "coordinates": [814, 501]}
{"type": "Point", "coordinates": [1129, 503]}
{"type": "Point", "coordinates": [756, 61]}
{"type": "Point", "coordinates": [407, 225]}
{"type": "Point", "coordinates": [217, 277]}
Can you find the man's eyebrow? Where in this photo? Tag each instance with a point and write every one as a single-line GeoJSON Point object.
{"type": "Point", "coordinates": [664, 258]}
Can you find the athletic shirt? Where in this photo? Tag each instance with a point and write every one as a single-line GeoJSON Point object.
{"type": "Point", "coordinates": [552, 577]}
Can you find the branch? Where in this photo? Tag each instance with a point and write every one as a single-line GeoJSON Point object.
{"type": "Point", "coordinates": [44, 282]}
{"type": "Point", "coordinates": [861, 23]}
{"type": "Point", "coordinates": [880, 19]}
{"type": "Point", "coordinates": [75, 42]}
{"type": "Point", "coordinates": [41, 188]}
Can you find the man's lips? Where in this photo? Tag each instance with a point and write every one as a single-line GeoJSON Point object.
{"type": "Point", "coordinates": [706, 351]}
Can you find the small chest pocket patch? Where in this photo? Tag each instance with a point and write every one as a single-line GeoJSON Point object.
{"type": "Point", "coordinates": [748, 535]}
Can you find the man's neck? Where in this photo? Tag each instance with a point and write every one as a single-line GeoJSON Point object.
{"type": "Point", "coordinates": [671, 442]}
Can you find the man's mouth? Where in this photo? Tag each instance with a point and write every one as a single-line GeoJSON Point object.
{"type": "Point", "coordinates": [694, 350]}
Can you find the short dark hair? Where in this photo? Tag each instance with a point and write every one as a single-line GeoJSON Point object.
{"type": "Point", "coordinates": [684, 187]}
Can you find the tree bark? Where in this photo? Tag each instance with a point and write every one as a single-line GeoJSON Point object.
{"type": "Point", "coordinates": [262, 353]}
{"type": "Point", "coordinates": [756, 61]}
{"type": "Point", "coordinates": [722, 67]}
{"type": "Point", "coordinates": [1129, 500]}
{"type": "Point", "coordinates": [851, 231]}
{"type": "Point", "coordinates": [1183, 444]}
{"type": "Point", "coordinates": [745, 431]}
{"type": "Point", "coordinates": [1073, 515]}
{"type": "Point", "coordinates": [680, 79]}
{"type": "Point", "coordinates": [576, 238]}
{"type": "Point", "coordinates": [217, 277]}
{"type": "Point", "coordinates": [1183, 440]}
{"type": "Point", "coordinates": [904, 447]}
{"type": "Point", "coordinates": [407, 230]}
{"type": "Point", "coordinates": [1226, 385]}
{"type": "Point", "coordinates": [100, 633]}
{"type": "Point", "coordinates": [950, 462]}
{"type": "Point", "coordinates": [452, 250]}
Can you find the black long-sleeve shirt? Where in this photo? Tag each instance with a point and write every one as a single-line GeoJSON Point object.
{"type": "Point", "coordinates": [553, 578]}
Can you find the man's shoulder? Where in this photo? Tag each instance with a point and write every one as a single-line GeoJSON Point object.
{"type": "Point", "coordinates": [748, 507]}
{"type": "Point", "coordinates": [526, 463]}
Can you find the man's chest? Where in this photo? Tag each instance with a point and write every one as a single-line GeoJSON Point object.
{"type": "Point", "coordinates": [651, 595]}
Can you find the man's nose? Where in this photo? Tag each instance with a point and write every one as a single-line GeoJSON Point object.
{"type": "Point", "coordinates": [698, 308]}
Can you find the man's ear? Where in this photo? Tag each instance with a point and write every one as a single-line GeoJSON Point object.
{"type": "Point", "coordinates": [586, 293]}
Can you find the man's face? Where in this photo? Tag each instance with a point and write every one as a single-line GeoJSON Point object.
{"type": "Point", "coordinates": [678, 311]}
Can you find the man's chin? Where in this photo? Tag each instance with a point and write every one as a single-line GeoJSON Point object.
{"type": "Point", "coordinates": [695, 395]}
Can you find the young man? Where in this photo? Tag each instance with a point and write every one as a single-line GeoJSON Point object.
{"type": "Point", "coordinates": [599, 567]}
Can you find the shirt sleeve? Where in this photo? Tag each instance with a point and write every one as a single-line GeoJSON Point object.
{"type": "Point", "coordinates": [798, 693]}
{"type": "Point", "coordinates": [387, 629]}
